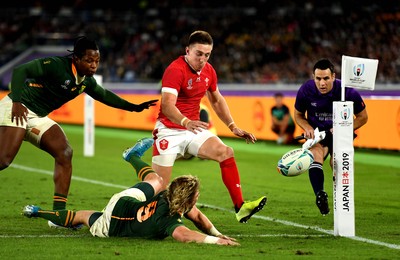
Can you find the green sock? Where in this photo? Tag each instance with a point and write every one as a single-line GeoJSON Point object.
{"type": "Point", "coordinates": [142, 168]}
{"type": "Point", "coordinates": [59, 201]}
{"type": "Point", "coordinates": [60, 217]}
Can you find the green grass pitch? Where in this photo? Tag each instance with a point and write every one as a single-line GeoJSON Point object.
{"type": "Point", "coordinates": [289, 227]}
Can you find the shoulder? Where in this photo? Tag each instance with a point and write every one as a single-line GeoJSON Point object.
{"type": "Point", "coordinates": [91, 81]}
{"type": "Point", "coordinates": [352, 93]}
{"type": "Point", "coordinates": [178, 63]}
{"type": "Point", "coordinates": [55, 60]}
{"type": "Point", "coordinates": [209, 70]}
{"type": "Point", "coordinates": [307, 88]}
{"type": "Point", "coordinates": [176, 67]}
{"type": "Point", "coordinates": [55, 63]}
{"type": "Point", "coordinates": [209, 67]}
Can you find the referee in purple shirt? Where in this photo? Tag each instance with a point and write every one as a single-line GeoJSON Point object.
{"type": "Point", "coordinates": [313, 108]}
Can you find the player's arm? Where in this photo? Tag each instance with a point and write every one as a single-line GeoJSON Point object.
{"type": "Point", "coordinates": [31, 69]}
{"type": "Point", "coordinates": [301, 120]}
{"type": "Point", "coordinates": [111, 99]}
{"type": "Point", "coordinates": [360, 119]}
{"type": "Point", "coordinates": [201, 221]}
{"type": "Point", "coordinates": [186, 235]}
{"type": "Point", "coordinates": [169, 109]}
{"type": "Point", "coordinates": [221, 108]}
{"type": "Point", "coordinates": [210, 236]}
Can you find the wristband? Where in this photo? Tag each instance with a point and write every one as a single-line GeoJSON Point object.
{"type": "Point", "coordinates": [183, 120]}
{"type": "Point", "coordinates": [210, 240]}
{"type": "Point", "coordinates": [213, 231]}
{"type": "Point", "coordinates": [187, 123]}
{"type": "Point", "coordinates": [231, 123]}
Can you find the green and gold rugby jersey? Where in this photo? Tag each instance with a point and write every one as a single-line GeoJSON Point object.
{"type": "Point", "coordinates": [149, 219]}
{"type": "Point", "coordinates": [46, 84]}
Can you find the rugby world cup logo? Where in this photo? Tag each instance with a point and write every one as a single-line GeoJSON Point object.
{"type": "Point", "coordinates": [358, 70]}
{"type": "Point", "coordinates": [190, 84]}
{"type": "Point", "coordinates": [345, 113]}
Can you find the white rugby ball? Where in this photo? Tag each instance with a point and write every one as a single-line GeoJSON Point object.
{"type": "Point", "coordinates": [295, 162]}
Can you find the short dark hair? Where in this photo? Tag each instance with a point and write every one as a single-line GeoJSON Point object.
{"type": "Point", "coordinates": [278, 94]}
{"type": "Point", "coordinates": [81, 44]}
{"type": "Point", "coordinates": [201, 37]}
{"type": "Point", "coordinates": [324, 64]}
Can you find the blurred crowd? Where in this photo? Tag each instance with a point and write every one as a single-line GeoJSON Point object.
{"type": "Point", "coordinates": [255, 41]}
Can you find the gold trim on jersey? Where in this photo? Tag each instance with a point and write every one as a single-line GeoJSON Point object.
{"type": "Point", "coordinates": [35, 85]}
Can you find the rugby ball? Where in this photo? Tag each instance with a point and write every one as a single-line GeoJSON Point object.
{"type": "Point", "coordinates": [295, 162]}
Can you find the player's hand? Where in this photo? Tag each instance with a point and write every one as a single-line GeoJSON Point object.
{"type": "Point", "coordinates": [249, 137]}
{"type": "Point", "coordinates": [226, 237]}
{"type": "Point", "coordinates": [196, 126]}
{"type": "Point", "coordinates": [227, 242]}
{"type": "Point", "coordinates": [144, 105]}
{"type": "Point", "coordinates": [19, 113]}
{"type": "Point", "coordinates": [309, 133]}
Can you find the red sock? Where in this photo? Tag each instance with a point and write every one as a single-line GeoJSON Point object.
{"type": "Point", "coordinates": [231, 179]}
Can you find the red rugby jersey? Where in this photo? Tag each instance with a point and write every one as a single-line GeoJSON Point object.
{"type": "Point", "coordinates": [190, 86]}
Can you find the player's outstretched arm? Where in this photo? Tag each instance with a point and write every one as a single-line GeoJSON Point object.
{"type": "Point", "coordinates": [186, 235]}
{"type": "Point", "coordinates": [249, 137]}
{"type": "Point", "coordinates": [221, 108]}
{"type": "Point", "coordinates": [111, 99]}
{"type": "Point", "coordinates": [203, 223]}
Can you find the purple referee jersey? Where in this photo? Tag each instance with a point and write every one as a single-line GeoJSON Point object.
{"type": "Point", "coordinates": [319, 106]}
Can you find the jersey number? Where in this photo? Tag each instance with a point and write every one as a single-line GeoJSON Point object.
{"type": "Point", "coordinates": [146, 211]}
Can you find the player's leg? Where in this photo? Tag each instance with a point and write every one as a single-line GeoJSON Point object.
{"type": "Point", "coordinates": [143, 170]}
{"type": "Point", "coordinates": [11, 135]}
{"type": "Point", "coordinates": [64, 218]}
{"type": "Point", "coordinates": [214, 149]}
{"type": "Point", "coordinates": [316, 176]}
{"type": "Point", "coordinates": [55, 142]}
{"type": "Point", "coordinates": [168, 143]}
{"type": "Point", "coordinates": [11, 139]}
{"type": "Point", "coordinates": [165, 172]}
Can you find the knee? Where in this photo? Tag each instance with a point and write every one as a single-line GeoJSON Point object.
{"type": "Point", "coordinates": [160, 182]}
{"type": "Point", "coordinates": [156, 181]}
{"type": "Point", "coordinates": [224, 152]}
{"type": "Point", "coordinates": [5, 162]}
{"type": "Point", "coordinates": [318, 157]}
{"type": "Point", "coordinates": [65, 154]}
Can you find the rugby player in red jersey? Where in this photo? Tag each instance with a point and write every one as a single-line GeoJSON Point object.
{"type": "Point", "coordinates": [179, 132]}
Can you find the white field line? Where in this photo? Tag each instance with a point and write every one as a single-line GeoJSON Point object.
{"type": "Point", "coordinates": [39, 236]}
{"type": "Point", "coordinates": [283, 222]}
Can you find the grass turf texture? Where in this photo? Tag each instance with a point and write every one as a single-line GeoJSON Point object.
{"type": "Point", "coordinates": [290, 226]}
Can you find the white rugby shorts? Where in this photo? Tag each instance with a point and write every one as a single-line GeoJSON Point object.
{"type": "Point", "coordinates": [35, 126]}
{"type": "Point", "coordinates": [101, 226]}
{"type": "Point", "coordinates": [172, 143]}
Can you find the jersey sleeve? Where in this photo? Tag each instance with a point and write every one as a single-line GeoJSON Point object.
{"type": "Point", "coordinates": [108, 97]}
{"type": "Point", "coordinates": [31, 69]}
{"type": "Point", "coordinates": [301, 100]}
{"type": "Point", "coordinates": [166, 222]}
{"type": "Point", "coordinates": [214, 83]}
{"type": "Point", "coordinates": [172, 78]}
{"type": "Point", "coordinates": [173, 224]}
{"type": "Point", "coordinates": [358, 102]}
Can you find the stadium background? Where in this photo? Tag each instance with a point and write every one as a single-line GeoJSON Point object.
{"type": "Point", "coordinates": [260, 47]}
